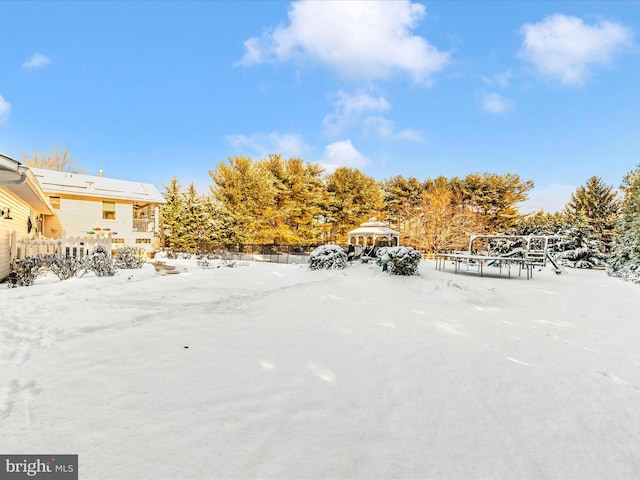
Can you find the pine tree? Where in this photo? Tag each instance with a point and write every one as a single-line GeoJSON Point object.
{"type": "Point", "coordinates": [496, 197]}
{"type": "Point", "coordinates": [401, 202]}
{"type": "Point", "coordinates": [353, 198]}
{"type": "Point", "coordinates": [580, 248]}
{"type": "Point", "coordinates": [246, 192]}
{"type": "Point", "coordinates": [172, 213]}
{"type": "Point", "coordinates": [194, 221]}
{"type": "Point", "coordinates": [299, 200]}
{"type": "Point", "coordinates": [540, 223]}
{"type": "Point", "coordinates": [597, 204]}
{"type": "Point", "coordinates": [625, 258]}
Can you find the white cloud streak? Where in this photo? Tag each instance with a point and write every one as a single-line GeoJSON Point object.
{"type": "Point", "coordinates": [342, 154]}
{"type": "Point", "coordinates": [359, 39]}
{"type": "Point", "coordinates": [349, 110]}
{"type": "Point", "coordinates": [352, 112]}
{"type": "Point", "coordinates": [497, 104]}
{"type": "Point", "coordinates": [5, 110]}
{"type": "Point", "coordinates": [502, 80]}
{"type": "Point", "coordinates": [564, 48]}
{"type": "Point", "coordinates": [37, 60]}
{"type": "Point", "coordinates": [263, 144]}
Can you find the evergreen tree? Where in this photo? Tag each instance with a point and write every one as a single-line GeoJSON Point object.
{"type": "Point", "coordinates": [246, 193]}
{"type": "Point", "coordinates": [496, 197]}
{"type": "Point", "coordinates": [353, 198]}
{"type": "Point", "coordinates": [172, 213]}
{"type": "Point", "coordinates": [625, 258]}
{"type": "Point", "coordinates": [299, 200]}
{"type": "Point", "coordinates": [194, 220]}
{"type": "Point", "coordinates": [540, 223]}
{"type": "Point", "coordinates": [402, 197]}
{"type": "Point", "coordinates": [596, 204]}
{"type": "Point", "coordinates": [580, 247]}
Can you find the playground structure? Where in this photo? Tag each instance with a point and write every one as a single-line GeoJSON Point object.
{"type": "Point", "coordinates": [534, 248]}
{"type": "Point", "coordinates": [525, 251]}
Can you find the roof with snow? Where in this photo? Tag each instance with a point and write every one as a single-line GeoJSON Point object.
{"type": "Point", "coordinates": [373, 227]}
{"type": "Point", "coordinates": [56, 182]}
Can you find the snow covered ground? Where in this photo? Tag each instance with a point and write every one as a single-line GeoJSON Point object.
{"type": "Point", "coordinates": [354, 374]}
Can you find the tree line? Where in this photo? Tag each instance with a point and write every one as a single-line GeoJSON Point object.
{"type": "Point", "coordinates": [288, 201]}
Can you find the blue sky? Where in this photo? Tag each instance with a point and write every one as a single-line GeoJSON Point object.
{"type": "Point", "coordinates": [150, 90]}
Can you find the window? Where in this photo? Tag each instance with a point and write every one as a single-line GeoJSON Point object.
{"type": "Point", "coordinates": [108, 210]}
{"type": "Point", "coordinates": [55, 202]}
{"type": "Point", "coordinates": [143, 240]}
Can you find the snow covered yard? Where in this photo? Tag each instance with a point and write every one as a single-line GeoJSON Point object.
{"type": "Point", "coordinates": [291, 373]}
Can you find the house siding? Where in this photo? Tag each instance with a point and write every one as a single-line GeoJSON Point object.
{"type": "Point", "coordinates": [20, 213]}
{"type": "Point", "coordinates": [5, 254]}
{"type": "Point", "coordinates": [81, 215]}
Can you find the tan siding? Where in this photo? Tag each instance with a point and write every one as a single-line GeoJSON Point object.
{"type": "Point", "coordinates": [19, 215]}
{"type": "Point", "coordinates": [79, 216]}
{"type": "Point", "coordinates": [5, 261]}
{"type": "Point", "coordinates": [51, 227]}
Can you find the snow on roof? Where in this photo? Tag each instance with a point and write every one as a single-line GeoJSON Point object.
{"type": "Point", "coordinates": [373, 227]}
{"type": "Point", "coordinates": [53, 181]}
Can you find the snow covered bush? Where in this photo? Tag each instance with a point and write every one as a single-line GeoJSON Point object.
{"type": "Point", "coordinates": [328, 257]}
{"type": "Point", "coordinates": [403, 260]}
{"type": "Point", "coordinates": [63, 268]}
{"type": "Point", "coordinates": [580, 249]}
{"type": "Point", "coordinates": [130, 257]}
{"type": "Point", "coordinates": [24, 272]}
{"type": "Point", "coordinates": [100, 263]}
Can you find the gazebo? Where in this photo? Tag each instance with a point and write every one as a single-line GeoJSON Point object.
{"type": "Point", "coordinates": [374, 233]}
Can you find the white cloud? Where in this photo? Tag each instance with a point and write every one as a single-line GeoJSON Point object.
{"type": "Point", "coordinates": [564, 48]}
{"type": "Point", "coordinates": [551, 198]}
{"type": "Point", "coordinates": [262, 144]}
{"type": "Point", "coordinates": [350, 111]}
{"type": "Point", "coordinates": [357, 38]}
{"type": "Point", "coordinates": [497, 104]}
{"type": "Point", "coordinates": [342, 154]}
{"type": "Point", "coordinates": [37, 60]}
{"type": "Point", "coordinates": [386, 129]}
{"type": "Point", "coordinates": [5, 110]}
{"type": "Point", "coordinates": [502, 80]}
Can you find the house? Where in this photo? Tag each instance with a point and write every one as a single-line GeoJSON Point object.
{"type": "Point", "coordinates": [97, 205]}
{"type": "Point", "coordinates": [23, 207]}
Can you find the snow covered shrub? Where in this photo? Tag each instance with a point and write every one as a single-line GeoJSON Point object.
{"type": "Point", "coordinates": [328, 257]}
{"type": "Point", "coordinates": [404, 260]}
{"type": "Point", "coordinates": [99, 262]}
{"type": "Point", "coordinates": [63, 268]}
{"type": "Point", "coordinates": [130, 257]}
{"type": "Point", "coordinates": [581, 249]}
{"type": "Point", "coordinates": [24, 272]}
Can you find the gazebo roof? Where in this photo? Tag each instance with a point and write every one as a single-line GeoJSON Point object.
{"type": "Point", "coordinates": [373, 227]}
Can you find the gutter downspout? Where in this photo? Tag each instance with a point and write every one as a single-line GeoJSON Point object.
{"type": "Point", "coordinates": [23, 177]}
